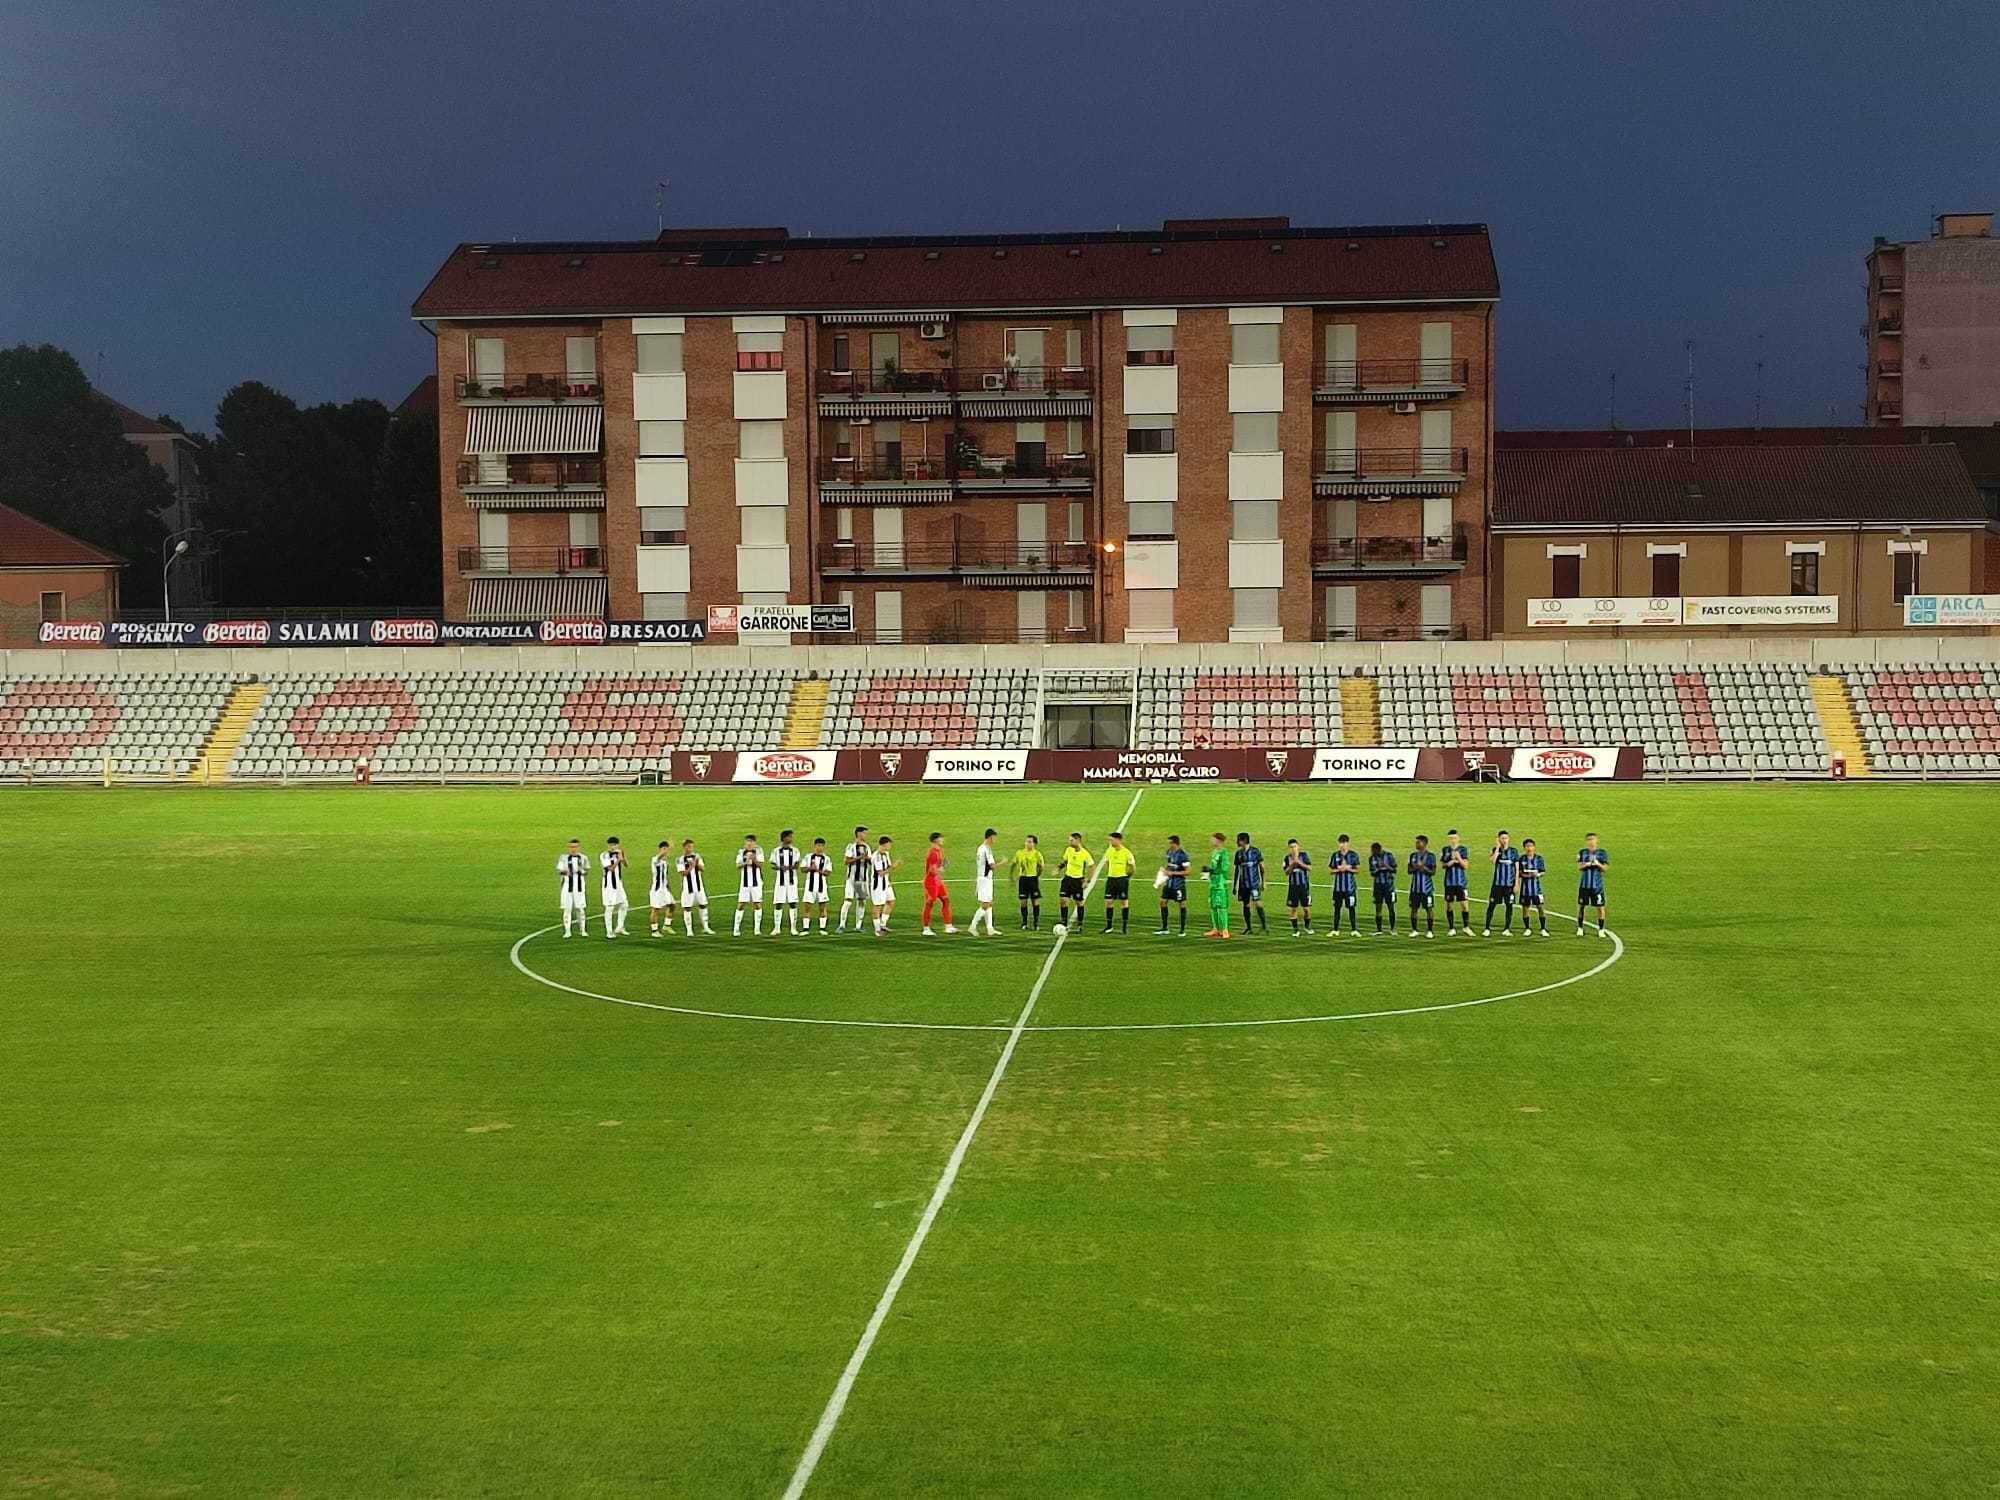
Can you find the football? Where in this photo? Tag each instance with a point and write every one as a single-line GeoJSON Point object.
{"type": "Point", "coordinates": [1059, 929]}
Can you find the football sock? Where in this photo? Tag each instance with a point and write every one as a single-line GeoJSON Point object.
{"type": "Point", "coordinates": [1262, 925]}
{"type": "Point", "coordinates": [1183, 917]}
{"type": "Point", "coordinates": [1163, 916]}
{"type": "Point", "coordinates": [1309, 922]}
{"type": "Point", "coordinates": [757, 920]}
{"type": "Point", "coordinates": [738, 927]}
{"type": "Point", "coordinates": [1124, 919]}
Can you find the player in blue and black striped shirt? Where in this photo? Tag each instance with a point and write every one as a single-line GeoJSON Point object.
{"type": "Point", "coordinates": [1298, 886]}
{"type": "Point", "coordinates": [1532, 867]}
{"type": "Point", "coordinates": [1423, 893]}
{"type": "Point", "coordinates": [1506, 859]}
{"type": "Point", "coordinates": [1250, 881]}
{"type": "Point", "coordinates": [1382, 865]}
{"type": "Point", "coordinates": [1346, 865]}
{"type": "Point", "coordinates": [1590, 866]}
{"type": "Point", "coordinates": [1456, 862]}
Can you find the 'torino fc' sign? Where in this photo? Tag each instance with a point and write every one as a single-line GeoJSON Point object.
{"type": "Point", "coordinates": [976, 765]}
{"type": "Point", "coordinates": [1364, 765]}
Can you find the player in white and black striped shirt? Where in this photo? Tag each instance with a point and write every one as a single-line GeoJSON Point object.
{"type": "Point", "coordinates": [817, 873]}
{"type": "Point", "coordinates": [694, 889]}
{"type": "Point", "coordinates": [573, 888]}
{"type": "Point", "coordinates": [616, 904]}
{"type": "Point", "coordinates": [663, 892]}
{"type": "Point", "coordinates": [856, 886]}
{"type": "Point", "coordinates": [784, 883]}
{"type": "Point", "coordinates": [749, 885]}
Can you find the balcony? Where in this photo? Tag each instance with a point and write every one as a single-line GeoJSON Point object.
{"type": "Point", "coordinates": [1004, 564]}
{"type": "Point", "coordinates": [1889, 411]}
{"type": "Point", "coordinates": [984, 390]}
{"type": "Point", "coordinates": [1404, 555]}
{"type": "Point", "coordinates": [515, 561]}
{"type": "Point", "coordinates": [1890, 284]}
{"type": "Point", "coordinates": [1395, 633]}
{"type": "Point", "coordinates": [1380, 381]}
{"type": "Point", "coordinates": [885, 473]}
{"type": "Point", "coordinates": [1388, 471]}
{"type": "Point", "coordinates": [1026, 381]}
{"type": "Point", "coordinates": [1889, 369]}
{"type": "Point", "coordinates": [1891, 325]}
{"type": "Point", "coordinates": [530, 387]}
{"type": "Point", "coordinates": [538, 472]}
{"type": "Point", "coordinates": [980, 472]}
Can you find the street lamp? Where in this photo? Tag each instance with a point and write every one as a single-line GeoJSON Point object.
{"type": "Point", "coordinates": [167, 567]}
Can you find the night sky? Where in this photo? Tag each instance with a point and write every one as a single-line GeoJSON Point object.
{"type": "Point", "coordinates": [210, 193]}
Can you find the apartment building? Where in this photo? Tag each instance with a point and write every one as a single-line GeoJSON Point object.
{"type": "Point", "coordinates": [1221, 430]}
{"type": "Point", "coordinates": [1933, 327]}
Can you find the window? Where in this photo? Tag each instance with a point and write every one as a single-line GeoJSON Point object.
{"type": "Point", "coordinates": [1154, 434]}
{"type": "Point", "coordinates": [760, 351]}
{"type": "Point", "coordinates": [888, 447]}
{"type": "Point", "coordinates": [843, 440]}
{"type": "Point", "coordinates": [1435, 611]}
{"type": "Point", "coordinates": [1150, 518]}
{"type": "Point", "coordinates": [1075, 530]}
{"type": "Point", "coordinates": [1805, 572]}
{"type": "Point", "coordinates": [1340, 602]}
{"type": "Point", "coordinates": [1073, 439]}
{"type": "Point", "coordinates": [763, 525]}
{"type": "Point", "coordinates": [53, 605]}
{"type": "Point", "coordinates": [1253, 344]}
{"type": "Point", "coordinates": [1077, 615]}
{"type": "Point", "coordinates": [580, 358]}
{"type": "Point", "coordinates": [885, 355]}
{"type": "Point", "coordinates": [1256, 521]}
{"type": "Point", "coordinates": [843, 526]}
{"type": "Point", "coordinates": [1031, 448]}
{"type": "Point", "coordinates": [1149, 609]}
{"type": "Point", "coordinates": [1255, 432]}
{"type": "Point", "coordinates": [658, 354]}
{"type": "Point", "coordinates": [663, 606]}
{"type": "Point", "coordinates": [1031, 615]}
{"type": "Point", "coordinates": [1073, 348]}
{"type": "Point", "coordinates": [840, 355]}
{"type": "Point", "coordinates": [1906, 574]}
{"type": "Point", "coordinates": [1253, 609]}
{"type": "Point", "coordinates": [1566, 576]}
{"type": "Point", "coordinates": [663, 526]}
{"type": "Point", "coordinates": [760, 439]}
{"type": "Point", "coordinates": [583, 528]}
{"type": "Point", "coordinates": [1666, 575]}
{"type": "Point", "coordinates": [1152, 345]}
{"type": "Point", "coordinates": [888, 616]}
{"type": "Point", "coordinates": [489, 361]}
{"type": "Point", "coordinates": [663, 440]}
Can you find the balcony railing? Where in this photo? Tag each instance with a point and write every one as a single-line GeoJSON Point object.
{"type": "Point", "coordinates": [974, 380]}
{"type": "Point", "coordinates": [1395, 633]}
{"type": "Point", "coordinates": [530, 387]}
{"type": "Point", "coordinates": [1391, 374]}
{"type": "Point", "coordinates": [538, 471]}
{"type": "Point", "coordinates": [1890, 284]}
{"type": "Point", "coordinates": [1388, 554]}
{"type": "Point", "coordinates": [961, 556]}
{"type": "Point", "coordinates": [1889, 367]}
{"type": "Point", "coordinates": [979, 469]}
{"type": "Point", "coordinates": [882, 471]}
{"type": "Point", "coordinates": [1388, 463]}
{"type": "Point", "coordinates": [530, 559]}
{"type": "Point", "coordinates": [1889, 409]}
{"type": "Point", "coordinates": [1891, 324]}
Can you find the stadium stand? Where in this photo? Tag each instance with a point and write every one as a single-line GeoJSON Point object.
{"type": "Point", "coordinates": [1723, 720]}
{"type": "Point", "coordinates": [1229, 709]}
{"type": "Point", "coordinates": [1944, 717]}
{"type": "Point", "coordinates": [493, 723]}
{"type": "Point", "coordinates": [930, 710]}
{"type": "Point", "coordinates": [148, 724]}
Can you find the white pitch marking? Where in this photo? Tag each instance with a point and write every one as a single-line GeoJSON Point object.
{"type": "Point", "coordinates": [837, 1402]}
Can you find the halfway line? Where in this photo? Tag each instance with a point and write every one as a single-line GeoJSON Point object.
{"type": "Point", "coordinates": [837, 1402]}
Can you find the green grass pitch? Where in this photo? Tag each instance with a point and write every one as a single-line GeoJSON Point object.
{"type": "Point", "coordinates": [306, 1190]}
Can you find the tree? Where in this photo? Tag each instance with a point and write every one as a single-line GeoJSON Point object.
{"type": "Point", "coordinates": [408, 534]}
{"type": "Point", "coordinates": [64, 460]}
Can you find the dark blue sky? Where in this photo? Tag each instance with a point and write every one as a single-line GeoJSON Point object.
{"type": "Point", "coordinates": [210, 193]}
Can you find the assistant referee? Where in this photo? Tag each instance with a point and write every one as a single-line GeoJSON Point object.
{"type": "Point", "coordinates": [1119, 862]}
{"type": "Point", "coordinates": [1076, 863]}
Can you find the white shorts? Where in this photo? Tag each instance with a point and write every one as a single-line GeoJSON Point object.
{"type": "Point", "coordinates": [693, 896]}
{"type": "Point", "coordinates": [883, 894]}
{"type": "Point", "coordinates": [662, 900]}
{"type": "Point", "coordinates": [749, 895]}
{"type": "Point", "coordinates": [982, 889]}
{"type": "Point", "coordinates": [615, 899]}
{"type": "Point", "coordinates": [784, 895]}
{"type": "Point", "coordinates": [575, 901]}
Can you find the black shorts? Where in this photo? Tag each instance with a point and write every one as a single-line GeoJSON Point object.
{"type": "Point", "coordinates": [1385, 895]}
{"type": "Point", "coordinates": [1117, 887]}
{"type": "Point", "coordinates": [1421, 901]}
{"type": "Point", "coordinates": [1072, 887]}
{"type": "Point", "coordinates": [1531, 896]}
{"type": "Point", "coordinates": [1343, 898]}
{"type": "Point", "coordinates": [1298, 895]}
{"type": "Point", "coordinates": [1454, 892]}
{"type": "Point", "coordinates": [1502, 893]}
{"type": "Point", "coordinates": [1030, 887]}
{"type": "Point", "coordinates": [1588, 897]}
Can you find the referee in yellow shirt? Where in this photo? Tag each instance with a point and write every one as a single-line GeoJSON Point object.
{"type": "Point", "coordinates": [1119, 862]}
{"type": "Point", "coordinates": [1076, 863]}
{"type": "Point", "coordinates": [1027, 864]}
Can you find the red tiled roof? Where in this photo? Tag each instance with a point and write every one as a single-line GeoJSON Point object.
{"type": "Point", "coordinates": [423, 399]}
{"type": "Point", "coordinates": [1719, 486]}
{"type": "Point", "coordinates": [1178, 267]}
{"type": "Point", "coordinates": [1978, 446]}
{"type": "Point", "coordinates": [133, 423]}
{"type": "Point", "coordinates": [28, 543]}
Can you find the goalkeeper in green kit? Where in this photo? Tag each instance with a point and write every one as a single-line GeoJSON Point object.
{"type": "Point", "coordinates": [1218, 872]}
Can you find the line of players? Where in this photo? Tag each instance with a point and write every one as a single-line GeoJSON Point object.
{"type": "Point", "coordinates": [1518, 876]}
{"type": "Point", "coordinates": [801, 880]}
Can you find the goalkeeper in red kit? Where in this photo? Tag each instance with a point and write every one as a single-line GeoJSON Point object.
{"type": "Point", "coordinates": [934, 892]}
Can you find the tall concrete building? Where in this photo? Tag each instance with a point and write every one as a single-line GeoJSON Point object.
{"type": "Point", "coordinates": [1222, 430]}
{"type": "Point", "coordinates": [1933, 328]}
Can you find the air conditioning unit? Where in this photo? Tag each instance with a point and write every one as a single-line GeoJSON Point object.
{"type": "Point", "coordinates": [932, 330]}
{"type": "Point", "coordinates": [1404, 408]}
{"type": "Point", "coordinates": [860, 421]}
{"type": "Point", "coordinates": [994, 382]}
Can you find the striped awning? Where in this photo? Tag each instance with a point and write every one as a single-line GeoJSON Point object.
{"type": "Point", "coordinates": [886, 494]}
{"type": "Point", "coordinates": [494, 599]}
{"type": "Point", "coordinates": [1066, 580]}
{"type": "Point", "coordinates": [518, 498]}
{"type": "Point", "coordinates": [838, 404]}
{"type": "Point", "coordinates": [885, 317]}
{"type": "Point", "coordinates": [561, 427]}
{"type": "Point", "coordinates": [1041, 406]}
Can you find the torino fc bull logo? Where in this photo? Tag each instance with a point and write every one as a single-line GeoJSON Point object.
{"type": "Point", "coordinates": [1277, 760]}
{"type": "Point", "coordinates": [892, 762]}
{"type": "Point", "coordinates": [700, 765]}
